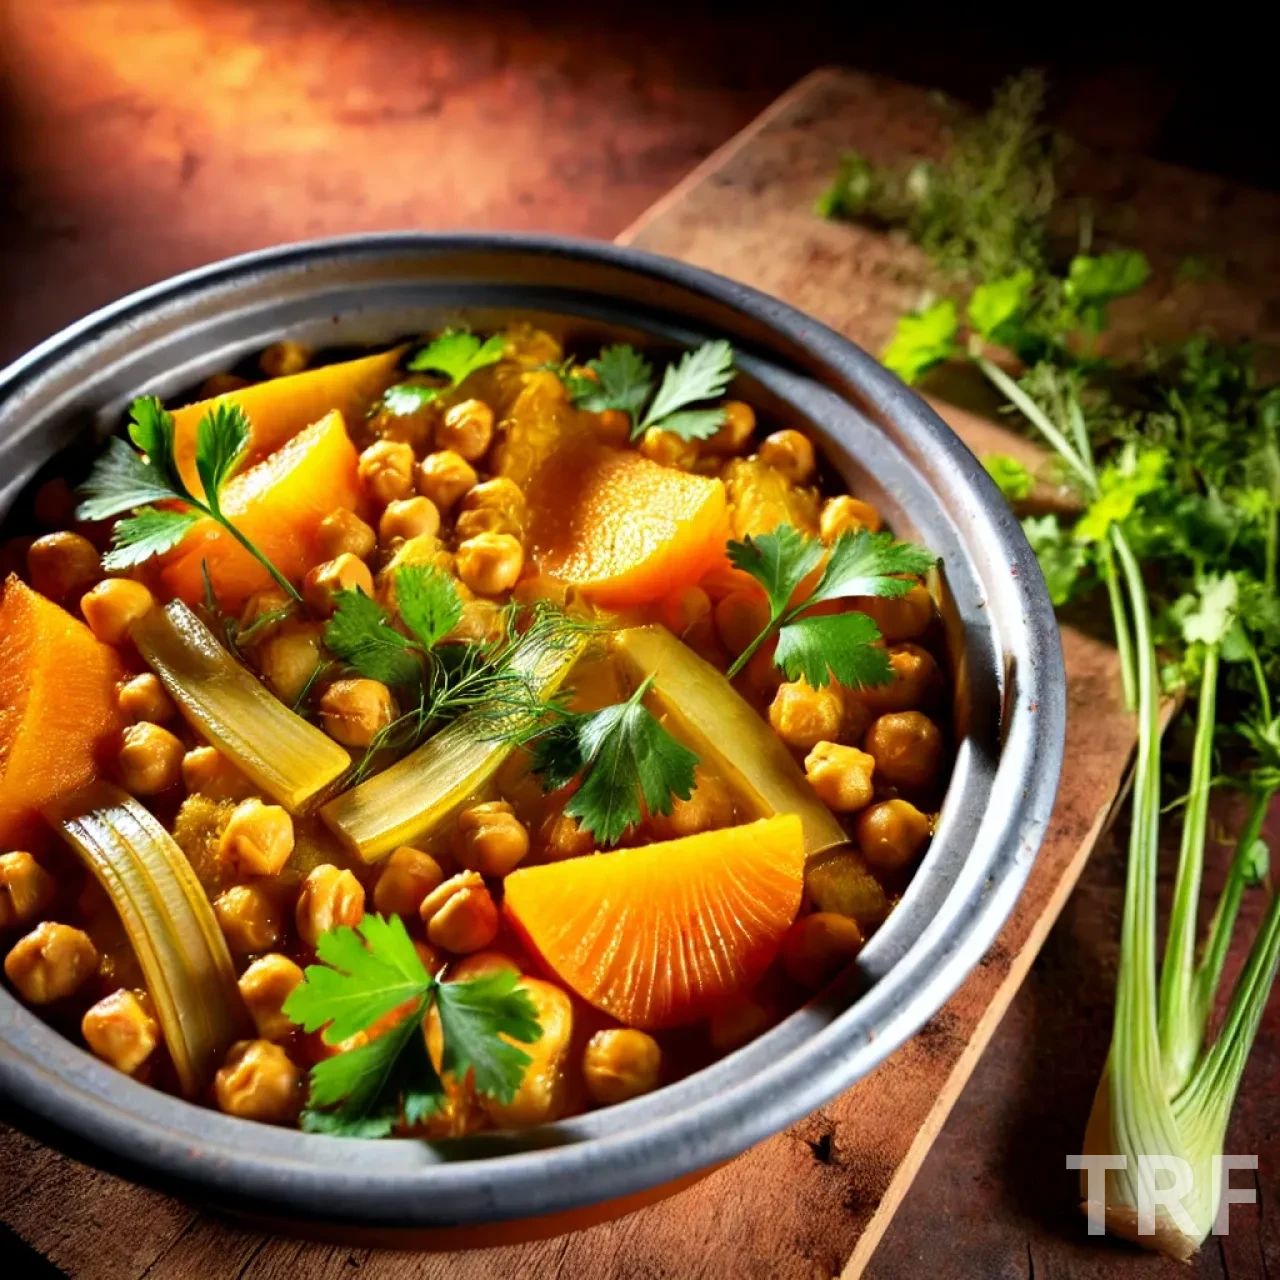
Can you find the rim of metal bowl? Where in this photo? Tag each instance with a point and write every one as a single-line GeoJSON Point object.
{"type": "Point", "coordinates": [941, 929]}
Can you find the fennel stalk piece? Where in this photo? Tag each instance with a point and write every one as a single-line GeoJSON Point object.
{"type": "Point", "coordinates": [169, 923]}
{"type": "Point", "coordinates": [289, 759]}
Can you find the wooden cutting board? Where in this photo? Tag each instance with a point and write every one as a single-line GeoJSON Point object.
{"type": "Point", "coordinates": [811, 1202]}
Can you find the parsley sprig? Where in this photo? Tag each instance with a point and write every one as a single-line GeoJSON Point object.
{"type": "Point", "coordinates": [624, 380]}
{"type": "Point", "coordinates": [623, 755]}
{"type": "Point", "coordinates": [455, 354]}
{"type": "Point", "coordinates": [372, 971]}
{"type": "Point", "coordinates": [123, 480]}
{"type": "Point", "coordinates": [819, 646]}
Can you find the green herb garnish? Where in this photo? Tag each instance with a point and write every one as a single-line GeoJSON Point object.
{"type": "Point", "coordinates": [841, 644]}
{"type": "Point", "coordinates": [367, 973]}
{"type": "Point", "coordinates": [124, 480]}
{"type": "Point", "coordinates": [624, 381]}
{"type": "Point", "coordinates": [455, 354]}
{"type": "Point", "coordinates": [623, 756]}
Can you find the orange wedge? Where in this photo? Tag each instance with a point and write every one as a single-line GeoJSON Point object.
{"type": "Point", "coordinates": [279, 409]}
{"type": "Point", "coordinates": [57, 707]}
{"type": "Point", "coordinates": [622, 529]}
{"type": "Point", "coordinates": [664, 934]}
{"type": "Point", "coordinates": [278, 506]}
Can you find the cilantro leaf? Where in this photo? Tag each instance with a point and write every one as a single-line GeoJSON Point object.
{"type": "Point", "coordinates": [1062, 560]}
{"type": "Point", "coordinates": [473, 1017]}
{"type": "Point", "coordinates": [222, 439]}
{"type": "Point", "coordinates": [1214, 612]}
{"type": "Point", "coordinates": [1011, 477]}
{"type": "Point", "coordinates": [151, 429]}
{"type": "Point", "coordinates": [624, 757]}
{"type": "Point", "coordinates": [120, 481]}
{"type": "Point", "coordinates": [778, 561]}
{"type": "Point", "coordinates": [364, 974]}
{"type": "Point", "coordinates": [369, 1087]}
{"type": "Point", "coordinates": [624, 380]}
{"type": "Point", "coordinates": [457, 353]}
{"type": "Point", "coordinates": [996, 306]}
{"type": "Point", "coordinates": [149, 532]}
{"type": "Point", "coordinates": [427, 601]}
{"type": "Point", "coordinates": [407, 397]}
{"type": "Point", "coordinates": [693, 424]}
{"type": "Point", "coordinates": [921, 340]}
{"type": "Point", "coordinates": [700, 374]}
{"type": "Point", "coordinates": [861, 564]}
{"type": "Point", "coordinates": [1093, 282]}
{"type": "Point", "coordinates": [360, 633]}
{"type": "Point", "coordinates": [817, 647]}
{"type": "Point", "coordinates": [1121, 484]}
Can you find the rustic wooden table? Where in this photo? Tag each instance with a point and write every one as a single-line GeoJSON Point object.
{"type": "Point", "coordinates": [140, 139]}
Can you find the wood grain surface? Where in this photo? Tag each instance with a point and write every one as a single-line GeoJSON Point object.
{"type": "Point", "coordinates": [119, 169]}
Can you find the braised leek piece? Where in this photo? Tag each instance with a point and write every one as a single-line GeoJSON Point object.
{"type": "Point", "coordinates": [705, 712]}
{"type": "Point", "coordinates": [287, 758]}
{"type": "Point", "coordinates": [168, 920]}
{"type": "Point", "coordinates": [415, 795]}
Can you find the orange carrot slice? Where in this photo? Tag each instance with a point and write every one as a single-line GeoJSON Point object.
{"type": "Point", "coordinates": [58, 712]}
{"type": "Point", "coordinates": [622, 529]}
{"type": "Point", "coordinates": [280, 408]}
{"type": "Point", "coordinates": [664, 934]}
{"type": "Point", "coordinates": [278, 506]}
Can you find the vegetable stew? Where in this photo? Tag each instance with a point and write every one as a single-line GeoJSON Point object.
{"type": "Point", "coordinates": [460, 736]}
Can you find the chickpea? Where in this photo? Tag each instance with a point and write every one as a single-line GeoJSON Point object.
{"type": "Point", "coordinates": [561, 836]}
{"type": "Point", "coordinates": [219, 384]}
{"type": "Point", "coordinates": [668, 449]}
{"type": "Point", "coordinates": [207, 771]}
{"type": "Point", "coordinates": [386, 471]}
{"type": "Point", "coordinates": [345, 573]}
{"type": "Point", "coordinates": [740, 617]}
{"type": "Point", "coordinates": [444, 477]}
{"type": "Point", "coordinates": [844, 514]}
{"type": "Point", "coordinates": [27, 890]}
{"type": "Point", "coordinates": [144, 698]}
{"type": "Point", "coordinates": [734, 1024]}
{"type": "Point", "coordinates": [708, 808]}
{"type": "Point", "coordinates": [481, 621]}
{"type": "Point", "coordinates": [248, 919]}
{"type": "Point", "coordinates": [433, 959]}
{"type": "Point", "coordinates": [482, 964]}
{"type": "Point", "coordinates": [803, 716]}
{"type": "Point", "coordinates": [620, 1064]}
{"type": "Point", "coordinates": [264, 986]}
{"type": "Point", "coordinates": [841, 882]}
{"type": "Point", "coordinates": [490, 839]}
{"type": "Point", "coordinates": [857, 716]}
{"type": "Point", "coordinates": [490, 563]}
{"type": "Point", "coordinates": [902, 618]}
{"type": "Point", "coordinates": [915, 681]}
{"type": "Point", "coordinates": [113, 606]}
{"type": "Point", "coordinates": [258, 1082]}
{"type": "Point", "coordinates": [543, 1091]}
{"type": "Point", "coordinates": [283, 358]}
{"type": "Point", "coordinates": [841, 776]}
{"type": "Point", "coordinates": [150, 759]}
{"type": "Point", "coordinates": [289, 658]}
{"type": "Point", "coordinates": [818, 946]}
{"type": "Point", "coordinates": [890, 834]}
{"type": "Point", "coordinates": [738, 427]}
{"type": "Point", "coordinates": [685, 609]}
{"type": "Point", "coordinates": [63, 566]}
{"type": "Point", "coordinates": [466, 429]}
{"type": "Point", "coordinates": [257, 839]}
{"type": "Point", "coordinates": [329, 897]}
{"type": "Point", "coordinates": [263, 611]}
{"type": "Point", "coordinates": [409, 518]}
{"type": "Point", "coordinates": [460, 915]}
{"type": "Point", "coordinates": [354, 711]}
{"type": "Point", "coordinates": [499, 494]}
{"type": "Point", "coordinates": [613, 427]}
{"type": "Point", "coordinates": [528, 591]}
{"type": "Point", "coordinates": [54, 504]}
{"type": "Point", "coordinates": [121, 1031]}
{"type": "Point", "coordinates": [343, 533]}
{"type": "Point", "coordinates": [907, 748]}
{"type": "Point", "coordinates": [51, 962]}
{"type": "Point", "coordinates": [791, 453]}
{"type": "Point", "coordinates": [407, 878]}
{"type": "Point", "coordinates": [470, 524]}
